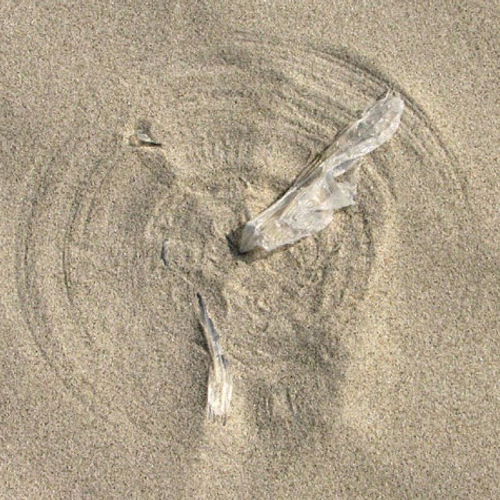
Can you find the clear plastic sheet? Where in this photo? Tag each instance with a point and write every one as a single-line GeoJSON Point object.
{"type": "Point", "coordinates": [308, 206]}
{"type": "Point", "coordinates": [220, 384]}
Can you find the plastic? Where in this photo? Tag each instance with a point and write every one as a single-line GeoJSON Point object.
{"type": "Point", "coordinates": [308, 206]}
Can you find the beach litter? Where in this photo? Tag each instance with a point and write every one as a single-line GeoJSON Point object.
{"type": "Point", "coordinates": [220, 383]}
{"type": "Point", "coordinates": [142, 136]}
{"type": "Point", "coordinates": [308, 206]}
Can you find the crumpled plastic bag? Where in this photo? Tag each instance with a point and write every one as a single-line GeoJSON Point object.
{"type": "Point", "coordinates": [308, 206]}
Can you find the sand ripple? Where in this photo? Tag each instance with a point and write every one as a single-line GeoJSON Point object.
{"type": "Point", "coordinates": [111, 316]}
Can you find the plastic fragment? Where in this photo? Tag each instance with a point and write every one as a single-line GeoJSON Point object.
{"type": "Point", "coordinates": [220, 384]}
{"type": "Point", "coordinates": [164, 253]}
{"type": "Point", "coordinates": [308, 206]}
{"type": "Point", "coordinates": [142, 136]}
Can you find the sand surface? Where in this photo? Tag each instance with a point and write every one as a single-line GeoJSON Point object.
{"type": "Point", "coordinates": [366, 359]}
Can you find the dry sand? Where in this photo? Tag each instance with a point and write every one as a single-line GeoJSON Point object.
{"type": "Point", "coordinates": [366, 360]}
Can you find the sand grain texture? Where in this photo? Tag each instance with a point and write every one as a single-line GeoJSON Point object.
{"type": "Point", "coordinates": [365, 359]}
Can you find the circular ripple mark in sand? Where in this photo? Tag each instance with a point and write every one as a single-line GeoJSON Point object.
{"type": "Point", "coordinates": [111, 317]}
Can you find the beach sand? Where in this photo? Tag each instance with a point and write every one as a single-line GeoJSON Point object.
{"type": "Point", "coordinates": [365, 359]}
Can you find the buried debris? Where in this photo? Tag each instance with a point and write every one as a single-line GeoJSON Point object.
{"type": "Point", "coordinates": [308, 206]}
{"type": "Point", "coordinates": [220, 384]}
{"type": "Point", "coordinates": [142, 136]}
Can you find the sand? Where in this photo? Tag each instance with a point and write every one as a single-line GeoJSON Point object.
{"type": "Point", "coordinates": [365, 360]}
